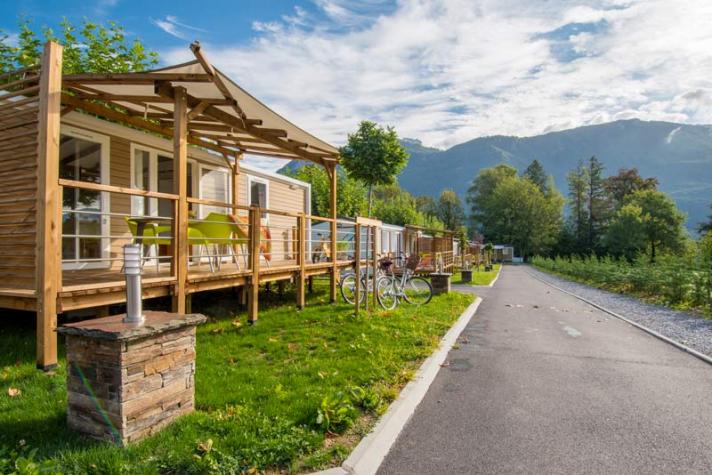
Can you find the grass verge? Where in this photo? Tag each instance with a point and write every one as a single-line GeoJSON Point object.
{"type": "Point", "coordinates": [295, 392]}
{"type": "Point", "coordinates": [479, 277]}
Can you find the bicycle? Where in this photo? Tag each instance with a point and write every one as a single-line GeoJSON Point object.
{"type": "Point", "coordinates": [390, 289]}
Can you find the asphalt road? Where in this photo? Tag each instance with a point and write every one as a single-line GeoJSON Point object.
{"type": "Point", "coordinates": [543, 383]}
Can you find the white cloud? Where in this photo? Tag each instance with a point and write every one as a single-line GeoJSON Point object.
{"type": "Point", "coordinates": [171, 25]}
{"type": "Point", "coordinates": [447, 71]}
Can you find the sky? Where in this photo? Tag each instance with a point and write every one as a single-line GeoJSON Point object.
{"type": "Point", "coordinates": [441, 71]}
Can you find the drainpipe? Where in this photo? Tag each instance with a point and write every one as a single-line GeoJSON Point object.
{"type": "Point", "coordinates": [132, 270]}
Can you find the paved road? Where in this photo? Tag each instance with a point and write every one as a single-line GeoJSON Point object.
{"type": "Point", "coordinates": [544, 383]}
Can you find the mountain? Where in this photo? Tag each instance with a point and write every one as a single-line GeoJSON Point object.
{"type": "Point", "coordinates": [678, 155]}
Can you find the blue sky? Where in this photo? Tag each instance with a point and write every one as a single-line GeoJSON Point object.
{"type": "Point", "coordinates": [442, 71]}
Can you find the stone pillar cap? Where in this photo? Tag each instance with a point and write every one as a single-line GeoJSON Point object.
{"type": "Point", "coordinates": [114, 328]}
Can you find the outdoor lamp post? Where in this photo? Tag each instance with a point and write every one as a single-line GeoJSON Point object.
{"type": "Point", "coordinates": [132, 270]}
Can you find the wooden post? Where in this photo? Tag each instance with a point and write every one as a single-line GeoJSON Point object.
{"type": "Point", "coordinates": [235, 181]}
{"type": "Point", "coordinates": [374, 263]}
{"type": "Point", "coordinates": [180, 188]}
{"type": "Point", "coordinates": [357, 267]}
{"type": "Point", "coordinates": [48, 255]}
{"type": "Point", "coordinates": [254, 285]}
{"type": "Point", "coordinates": [334, 237]}
{"type": "Point", "coordinates": [301, 260]}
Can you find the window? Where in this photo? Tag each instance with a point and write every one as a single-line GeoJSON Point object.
{"type": "Point", "coordinates": [259, 190]}
{"type": "Point", "coordinates": [214, 186]}
{"type": "Point", "coordinates": [152, 170]}
{"type": "Point", "coordinates": [83, 157]}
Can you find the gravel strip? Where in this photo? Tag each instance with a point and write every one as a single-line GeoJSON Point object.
{"type": "Point", "coordinates": [683, 327]}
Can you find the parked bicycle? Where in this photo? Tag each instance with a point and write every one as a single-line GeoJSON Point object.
{"type": "Point", "coordinates": [391, 288]}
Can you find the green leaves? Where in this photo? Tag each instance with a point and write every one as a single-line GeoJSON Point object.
{"type": "Point", "coordinates": [336, 413]}
{"type": "Point", "coordinates": [93, 47]}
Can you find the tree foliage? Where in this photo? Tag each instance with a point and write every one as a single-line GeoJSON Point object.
{"type": "Point", "coordinates": [650, 222]}
{"type": "Point", "coordinates": [351, 197]}
{"type": "Point", "coordinates": [536, 174]}
{"type": "Point", "coordinates": [480, 193]}
{"type": "Point", "coordinates": [373, 155]}
{"type": "Point", "coordinates": [578, 218]}
{"type": "Point", "coordinates": [597, 205]}
{"type": "Point", "coordinates": [394, 205]}
{"type": "Point", "coordinates": [450, 210]}
{"type": "Point", "coordinates": [707, 226]}
{"type": "Point", "coordinates": [513, 210]}
{"type": "Point", "coordinates": [627, 181]}
{"type": "Point", "coordinates": [93, 47]}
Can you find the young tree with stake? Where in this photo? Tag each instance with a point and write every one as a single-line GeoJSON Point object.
{"type": "Point", "coordinates": [373, 155]}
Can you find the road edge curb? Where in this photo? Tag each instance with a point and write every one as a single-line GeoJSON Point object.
{"type": "Point", "coordinates": [368, 455]}
{"type": "Point", "coordinates": [637, 325]}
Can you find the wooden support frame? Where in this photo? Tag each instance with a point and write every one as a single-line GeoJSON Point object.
{"type": "Point", "coordinates": [334, 277]}
{"type": "Point", "coordinates": [180, 187]}
{"type": "Point", "coordinates": [301, 260]}
{"type": "Point", "coordinates": [357, 267]}
{"type": "Point", "coordinates": [49, 229]}
{"type": "Point", "coordinates": [253, 294]}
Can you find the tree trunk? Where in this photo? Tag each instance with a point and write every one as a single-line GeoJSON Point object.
{"type": "Point", "coordinates": [652, 252]}
{"type": "Point", "coordinates": [370, 198]}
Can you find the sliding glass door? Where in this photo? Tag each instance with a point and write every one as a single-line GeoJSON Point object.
{"type": "Point", "coordinates": [85, 224]}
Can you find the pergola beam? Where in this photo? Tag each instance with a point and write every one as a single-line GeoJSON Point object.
{"type": "Point", "coordinates": [135, 78]}
{"type": "Point", "coordinates": [212, 111]}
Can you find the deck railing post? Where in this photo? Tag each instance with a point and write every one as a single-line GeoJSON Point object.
{"type": "Point", "coordinates": [301, 260]}
{"type": "Point", "coordinates": [374, 263]}
{"type": "Point", "coordinates": [334, 235]}
{"type": "Point", "coordinates": [180, 186]}
{"type": "Point", "coordinates": [357, 267]}
{"type": "Point", "coordinates": [48, 257]}
{"type": "Point", "coordinates": [254, 285]}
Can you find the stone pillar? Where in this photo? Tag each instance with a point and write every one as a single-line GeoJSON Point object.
{"type": "Point", "coordinates": [125, 381]}
{"type": "Point", "coordinates": [466, 276]}
{"type": "Point", "coordinates": [440, 282]}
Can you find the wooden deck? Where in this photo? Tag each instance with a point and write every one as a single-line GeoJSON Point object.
{"type": "Point", "coordinates": [88, 288]}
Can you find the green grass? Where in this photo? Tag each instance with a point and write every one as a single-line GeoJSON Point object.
{"type": "Point", "coordinates": [479, 277]}
{"type": "Point", "coordinates": [259, 389]}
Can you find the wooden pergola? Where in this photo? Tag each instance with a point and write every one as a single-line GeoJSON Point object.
{"type": "Point", "coordinates": [194, 104]}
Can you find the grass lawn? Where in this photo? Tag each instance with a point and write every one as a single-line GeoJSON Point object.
{"type": "Point", "coordinates": [294, 392]}
{"type": "Point", "coordinates": [479, 277]}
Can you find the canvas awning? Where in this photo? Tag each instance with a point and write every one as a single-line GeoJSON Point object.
{"type": "Point", "coordinates": [222, 116]}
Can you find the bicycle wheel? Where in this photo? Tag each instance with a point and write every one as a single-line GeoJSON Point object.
{"type": "Point", "coordinates": [348, 289]}
{"type": "Point", "coordinates": [386, 293]}
{"type": "Point", "coordinates": [417, 291]}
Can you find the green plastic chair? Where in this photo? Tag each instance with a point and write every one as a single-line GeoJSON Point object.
{"type": "Point", "coordinates": [155, 235]}
{"type": "Point", "coordinates": [221, 230]}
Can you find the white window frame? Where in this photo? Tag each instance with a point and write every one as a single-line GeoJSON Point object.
{"type": "Point", "coordinates": [228, 187]}
{"type": "Point", "coordinates": [105, 142]}
{"type": "Point", "coordinates": [153, 154]}
{"type": "Point", "coordinates": [253, 179]}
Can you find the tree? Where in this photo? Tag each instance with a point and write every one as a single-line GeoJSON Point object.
{"type": "Point", "coordinates": [625, 237]}
{"type": "Point", "coordinates": [350, 201]}
{"type": "Point", "coordinates": [93, 48]}
{"type": "Point", "coordinates": [706, 248]}
{"type": "Point", "coordinates": [577, 180]}
{"type": "Point", "coordinates": [479, 196]}
{"type": "Point", "coordinates": [660, 221]}
{"type": "Point", "coordinates": [597, 204]}
{"type": "Point", "coordinates": [706, 227]}
{"type": "Point", "coordinates": [627, 181]}
{"type": "Point", "coordinates": [426, 205]}
{"type": "Point", "coordinates": [536, 174]}
{"type": "Point", "coordinates": [450, 211]}
{"type": "Point", "coordinates": [521, 215]}
{"type": "Point", "coordinates": [373, 155]}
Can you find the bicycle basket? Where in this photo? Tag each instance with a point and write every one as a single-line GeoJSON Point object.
{"type": "Point", "coordinates": [413, 262]}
